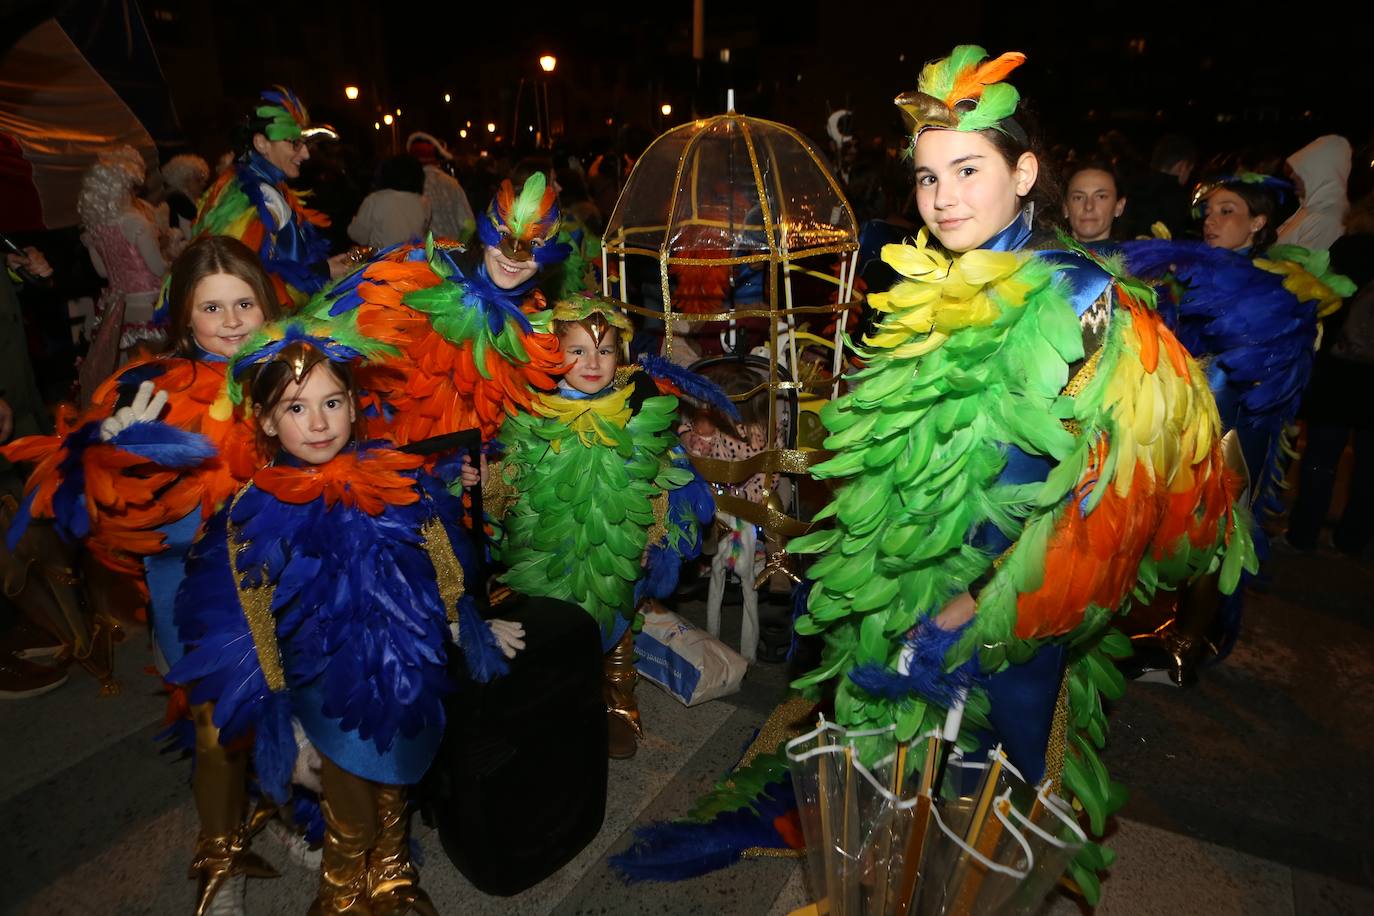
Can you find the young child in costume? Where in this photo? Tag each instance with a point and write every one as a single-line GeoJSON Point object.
{"type": "Point", "coordinates": [597, 502]}
{"type": "Point", "coordinates": [1027, 447]}
{"type": "Point", "coordinates": [252, 201]}
{"type": "Point", "coordinates": [320, 602]}
{"type": "Point", "coordinates": [161, 446]}
{"type": "Point", "coordinates": [473, 337]}
{"type": "Point", "coordinates": [1252, 312]}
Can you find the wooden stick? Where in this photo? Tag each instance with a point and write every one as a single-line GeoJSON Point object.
{"type": "Point", "coordinates": [983, 842]}
{"type": "Point", "coordinates": [916, 837]}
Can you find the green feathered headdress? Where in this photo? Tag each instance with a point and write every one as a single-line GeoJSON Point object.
{"type": "Point", "coordinates": [281, 115]}
{"type": "Point", "coordinates": [596, 314]}
{"type": "Point", "coordinates": [302, 343]}
{"type": "Point", "coordinates": [948, 86]}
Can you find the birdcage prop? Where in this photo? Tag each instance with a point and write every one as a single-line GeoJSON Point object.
{"type": "Point", "coordinates": [745, 212]}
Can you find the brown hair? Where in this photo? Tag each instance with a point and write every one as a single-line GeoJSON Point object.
{"type": "Point", "coordinates": [268, 384]}
{"type": "Point", "coordinates": [1260, 201]}
{"type": "Point", "coordinates": [588, 324]}
{"type": "Point", "coordinates": [207, 256]}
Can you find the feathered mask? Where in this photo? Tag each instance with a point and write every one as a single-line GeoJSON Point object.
{"type": "Point", "coordinates": [965, 92]}
{"type": "Point", "coordinates": [1278, 187]}
{"type": "Point", "coordinates": [301, 343]}
{"type": "Point", "coordinates": [285, 117]}
{"type": "Point", "coordinates": [523, 226]}
{"type": "Point", "coordinates": [597, 316]}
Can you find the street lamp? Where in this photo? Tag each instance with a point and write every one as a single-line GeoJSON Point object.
{"type": "Point", "coordinates": [387, 118]}
{"type": "Point", "coordinates": [351, 93]}
{"type": "Point", "coordinates": [398, 112]}
{"type": "Point", "coordinates": [491, 127]}
{"type": "Point", "coordinates": [548, 62]}
{"type": "Point", "coordinates": [666, 109]}
{"type": "Point", "coordinates": [448, 97]}
{"type": "Point", "coordinates": [376, 125]}
{"type": "Point", "coordinates": [463, 133]}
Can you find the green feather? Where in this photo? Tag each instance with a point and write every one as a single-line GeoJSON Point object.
{"type": "Point", "coordinates": [525, 210]}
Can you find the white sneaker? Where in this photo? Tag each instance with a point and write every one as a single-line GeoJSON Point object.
{"type": "Point", "coordinates": [298, 851]}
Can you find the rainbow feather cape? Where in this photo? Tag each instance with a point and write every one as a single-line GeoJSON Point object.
{"type": "Point", "coordinates": [235, 206]}
{"type": "Point", "coordinates": [978, 355]}
{"type": "Point", "coordinates": [471, 353]}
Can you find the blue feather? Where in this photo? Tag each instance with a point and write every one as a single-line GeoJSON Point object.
{"type": "Point", "coordinates": [166, 445]}
{"type": "Point", "coordinates": [677, 850]}
{"type": "Point", "coordinates": [926, 676]}
{"type": "Point", "coordinates": [699, 388]}
{"type": "Point", "coordinates": [481, 652]}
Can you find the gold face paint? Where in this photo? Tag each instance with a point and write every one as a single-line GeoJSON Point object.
{"type": "Point", "coordinates": [516, 249]}
{"type": "Point", "coordinates": [301, 357]}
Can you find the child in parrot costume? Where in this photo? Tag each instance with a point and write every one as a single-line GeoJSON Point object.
{"type": "Point", "coordinates": [317, 609]}
{"type": "Point", "coordinates": [596, 501]}
{"type": "Point", "coordinates": [473, 339]}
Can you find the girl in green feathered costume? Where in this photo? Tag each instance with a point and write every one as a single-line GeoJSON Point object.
{"type": "Point", "coordinates": [597, 503]}
{"type": "Point", "coordinates": [1027, 449]}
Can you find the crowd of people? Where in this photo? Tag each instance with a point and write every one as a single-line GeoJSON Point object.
{"type": "Point", "coordinates": [282, 440]}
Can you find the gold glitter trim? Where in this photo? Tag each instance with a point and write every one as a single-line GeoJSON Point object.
{"type": "Point", "coordinates": [448, 572]}
{"type": "Point", "coordinates": [257, 608]}
{"type": "Point", "coordinates": [659, 529]}
{"type": "Point", "coordinates": [498, 493]}
{"type": "Point", "coordinates": [772, 461]}
{"type": "Point", "coordinates": [788, 719]}
{"type": "Point", "coordinates": [1059, 738]}
{"type": "Point", "coordinates": [1084, 375]}
{"type": "Point", "coordinates": [763, 852]}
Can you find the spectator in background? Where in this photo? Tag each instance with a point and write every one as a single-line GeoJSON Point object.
{"type": "Point", "coordinates": [186, 178]}
{"type": "Point", "coordinates": [1092, 202]}
{"type": "Point", "coordinates": [1161, 195]}
{"type": "Point", "coordinates": [1320, 170]}
{"type": "Point", "coordinates": [119, 231]}
{"type": "Point", "coordinates": [397, 211]}
{"type": "Point", "coordinates": [451, 212]}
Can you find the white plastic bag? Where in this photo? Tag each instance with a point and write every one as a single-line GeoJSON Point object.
{"type": "Point", "coordinates": [688, 662]}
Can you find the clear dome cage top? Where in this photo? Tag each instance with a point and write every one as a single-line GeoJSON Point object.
{"type": "Point", "coordinates": [731, 189]}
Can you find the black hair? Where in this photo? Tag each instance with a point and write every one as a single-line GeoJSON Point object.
{"type": "Point", "coordinates": [401, 173]}
{"type": "Point", "coordinates": [1094, 165]}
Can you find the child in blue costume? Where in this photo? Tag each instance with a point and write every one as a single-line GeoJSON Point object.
{"type": "Point", "coordinates": [318, 606]}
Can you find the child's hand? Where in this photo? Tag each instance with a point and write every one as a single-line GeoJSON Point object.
{"type": "Point", "coordinates": [147, 405]}
{"type": "Point", "coordinates": [509, 635]}
{"type": "Point", "coordinates": [470, 475]}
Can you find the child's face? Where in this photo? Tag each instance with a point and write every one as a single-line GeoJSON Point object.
{"type": "Point", "coordinates": [593, 365]}
{"type": "Point", "coordinates": [224, 311]}
{"type": "Point", "coordinates": [314, 419]}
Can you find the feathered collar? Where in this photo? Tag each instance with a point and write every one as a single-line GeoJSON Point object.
{"type": "Point", "coordinates": [499, 304]}
{"type": "Point", "coordinates": [589, 416]}
{"type": "Point", "coordinates": [265, 172]}
{"type": "Point", "coordinates": [369, 479]}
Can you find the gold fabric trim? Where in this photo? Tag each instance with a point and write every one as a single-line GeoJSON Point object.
{"type": "Point", "coordinates": [772, 461]}
{"type": "Point", "coordinates": [1059, 738]}
{"type": "Point", "coordinates": [498, 493]}
{"type": "Point", "coordinates": [257, 608]}
{"type": "Point", "coordinates": [659, 529]}
{"type": "Point", "coordinates": [448, 572]}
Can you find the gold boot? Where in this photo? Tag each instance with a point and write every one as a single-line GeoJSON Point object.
{"type": "Point", "coordinates": [219, 789]}
{"type": "Point", "coordinates": [392, 880]}
{"type": "Point", "coordinates": [622, 712]}
{"type": "Point", "coordinates": [349, 806]}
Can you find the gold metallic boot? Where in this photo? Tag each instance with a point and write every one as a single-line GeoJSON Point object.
{"type": "Point", "coordinates": [219, 789]}
{"type": "Point", "coordinates": [622, 712]}
{"type": "Point", "coordinates": [392, 880]}
{"type": "Point", "coordinates": [349, 805]}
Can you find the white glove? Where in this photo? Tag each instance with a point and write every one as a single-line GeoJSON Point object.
{"type": "Point", "coordinates": [307, 769]}
{"type": "Point", "coordinates": [147, 405]}
{"type": "Point", "coordinates": [510, 636]}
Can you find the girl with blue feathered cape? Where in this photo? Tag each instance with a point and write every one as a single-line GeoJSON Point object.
{"type": "Point", "coordinates": [1251, 312]}
{"type": "Point", "coordinates": [251, 200]}
{"type": "Point", "coordinates": [317, 610]}
{"type": "Point", "coordinates": [597, 503]}
{"type": "Point", "coordinates": [1026, 448]}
